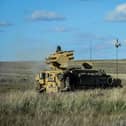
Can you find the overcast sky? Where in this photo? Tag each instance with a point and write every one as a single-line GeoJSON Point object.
{"type": "Point", "coordinates": [31, 29]}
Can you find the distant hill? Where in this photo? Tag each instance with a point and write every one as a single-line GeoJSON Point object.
{"type": "Point", "coordinates": [108, 65]}
{"type": "Point", "coordinates": [19, 72]}
{"type": "Point", "coordinates": [15, 72]}
{"type": "Point", "coordinates": [31, 67]}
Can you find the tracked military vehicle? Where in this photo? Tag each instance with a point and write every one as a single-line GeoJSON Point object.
{"type": "Point", "coordinates": [65, 77]}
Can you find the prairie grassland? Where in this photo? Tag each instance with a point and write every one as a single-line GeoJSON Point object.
{"type": "Point", "coordinates": [81, 108]}
{"type": "Point", "coordinates": [21, 105]}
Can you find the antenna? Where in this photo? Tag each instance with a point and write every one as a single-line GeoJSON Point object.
{"type": "Point", "coordinates": [90, 50]}
{"type": "Point", "coordinates": [117, 45]}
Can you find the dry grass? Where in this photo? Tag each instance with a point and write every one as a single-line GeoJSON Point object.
{"type": "Point", "coordinates": [89, 108]}
{"type": "Point", "coordinates": [20, 105]}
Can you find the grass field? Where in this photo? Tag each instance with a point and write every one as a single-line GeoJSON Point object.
{"type": "Point", "coordinates": [21, 105]}
{"type": "Point", "coordinates": [84, 108]}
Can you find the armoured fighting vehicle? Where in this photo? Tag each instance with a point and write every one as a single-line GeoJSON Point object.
{"type": "Point", "coordinates": [65, 77]}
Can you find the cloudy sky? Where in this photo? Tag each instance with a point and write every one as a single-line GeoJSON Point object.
{"type": "Point", "coordinates": [31, 29]}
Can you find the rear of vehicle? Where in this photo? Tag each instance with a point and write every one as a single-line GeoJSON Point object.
{"type": "Point", "coordinates": [79, 79]}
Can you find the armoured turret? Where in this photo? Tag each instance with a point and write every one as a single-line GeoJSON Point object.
{"type": "Point", "coordinates": [59, 60]}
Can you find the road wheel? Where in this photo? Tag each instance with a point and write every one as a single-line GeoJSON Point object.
{"type": "Point", "coordinates": [66, 84]}
{"type": "Point", "coordinates": [110, 81]}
